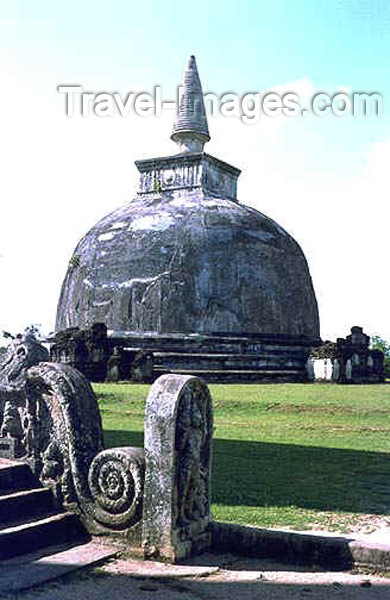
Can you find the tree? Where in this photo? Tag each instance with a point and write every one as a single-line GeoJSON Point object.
{"type": "Point", "coordinates": [378, 343]}
{"type": "Point", "coordinates": [326, 350]}
{"type": "Point", "coordinates": [3, 349]}
{"type": "Point", "coordinates": [34, 329]}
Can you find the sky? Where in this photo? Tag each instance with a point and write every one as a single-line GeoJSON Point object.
{"type": "Point", "coordinates": [324, 179]}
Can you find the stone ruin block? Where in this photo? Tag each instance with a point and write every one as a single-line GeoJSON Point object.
{"type": "Point", "coordinates": [85, 350]}
{"type": "Point", "coordinates": [178, 443]}
{"type": "Point", "coordinates": [354, 362]}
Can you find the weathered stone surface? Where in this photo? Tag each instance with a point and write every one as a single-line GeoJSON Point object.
{"type": "Point", "coordinates": [354, 362]}
{"type": "Point", "coordinates": [116, 480]}
{"type": "Point", "coordinates": [67, 440]}
{"type": "Point", "coordinates": [189, 263]}
{"type": "Point", "coordinates": [63, 430]}
{"type": "Point", "coordinates": [16, 576]}
{"type": "Point", "coordinates": [190, 129]}
{"type": "Point", "coordinates": [84, 350]}
{"type": "Point", "coordinates": [145, 356]}
{"type": "Point", "coordinates": [116, 366]}
{"type": "Point", "coordinates": [31, 519]}
{"type": "Point", "coordinates": [52, 414]}
{"type": "Point", "coordinates": [178, 438]}
{"type": "Point", "coordinates": [24, 352]}
{"type": "Point", "coordinates": [9, 447]}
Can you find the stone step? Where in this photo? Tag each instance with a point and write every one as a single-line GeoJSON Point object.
{"type": "Point", "coordinates": [211, 362]}
{"type": "Point", "coordinates": [239, 371]}
{"type": "Point", "coordinates": [15, 476]}
{"type": "Point", "coordinates": [26, 504]}
{"type": "Point", "coordinates": [30, 519]}
{"type": "Point", "coordinates": [233, 375]}
{"type": "Point", "coordinates": [63, 528]}
{"type": "Point", "coordinates": [223, 353]}
{"type": "Point", "coordinates": [24, 573]}
{"type": "Point", "coordinates": [220, 355]}
{"type": "Point", "coordinates": [206, 343]}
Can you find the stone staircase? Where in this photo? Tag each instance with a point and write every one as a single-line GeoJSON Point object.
{"type": "Point", "coordinates": [30, 518]}
{"type": "Point", "coordinates": [231, 367]}
{"type": "Point", "coordinates": [219, 358]}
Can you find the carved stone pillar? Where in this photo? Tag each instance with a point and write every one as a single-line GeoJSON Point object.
{"type": "Point", "coordinates": [178, 440]}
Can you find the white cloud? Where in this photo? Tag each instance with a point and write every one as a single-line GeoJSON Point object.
{"type": "Point", "coordinates": [302, 87]}
{"type": "Point", "coordinates": [377, 164]}
{"type": "Point", "coordinates": [344, 89]}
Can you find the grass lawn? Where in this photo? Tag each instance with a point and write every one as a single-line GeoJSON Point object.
{"type": "Point", "coordinates": [285, 455]}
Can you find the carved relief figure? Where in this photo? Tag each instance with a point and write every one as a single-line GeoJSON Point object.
{"type": "Point", "coordinates": [178, 444]}
{"type": "Point", "coordinates": [191, 439]}
{"type": "Point", "coordinates": [24, 352]}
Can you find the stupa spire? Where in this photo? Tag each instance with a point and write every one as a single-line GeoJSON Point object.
{"type": "Point", "coordinates": [190, 129]}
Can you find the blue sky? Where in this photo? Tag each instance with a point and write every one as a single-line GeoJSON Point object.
{"type": "Point", "coordinates": [325, 180]}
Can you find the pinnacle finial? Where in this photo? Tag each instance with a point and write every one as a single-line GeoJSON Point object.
{"type": "Point", "coordinates": [190, 129]}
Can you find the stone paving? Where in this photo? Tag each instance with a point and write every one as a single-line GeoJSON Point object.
{"type": "Point", "coordinates": [211, 577]}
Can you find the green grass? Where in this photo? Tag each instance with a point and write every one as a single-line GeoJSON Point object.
{"type": "Point", "coordinates": [285, 455]}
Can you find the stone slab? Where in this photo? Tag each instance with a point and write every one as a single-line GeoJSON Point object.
{"type": "Point", "coordinates": [213, 576]}
{"type": "Point", "coordinates": [6, 463]}
{"type": "Point", "coordinates": [162, 570]}
{"type": "Point", "coordinates": [371, 553]}
{"type": "Point", "coordinates": [328, 551]}
{"type": "Point", "coordinates": [26, 572]}
{"type": "Point", "coordinates": [178, 442]}
{"type": "Point", "coordinates": [238, 578]}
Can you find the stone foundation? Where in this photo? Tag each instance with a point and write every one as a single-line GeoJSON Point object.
{"type": "Point", "coordinates": [131, 356]}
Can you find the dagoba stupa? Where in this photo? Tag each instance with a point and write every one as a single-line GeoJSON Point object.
{"type": "Point", "coordinates": [184, 271]}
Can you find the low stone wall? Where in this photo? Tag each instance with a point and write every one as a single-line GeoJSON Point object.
{"type": "Point", "coordinates": [330, 552]}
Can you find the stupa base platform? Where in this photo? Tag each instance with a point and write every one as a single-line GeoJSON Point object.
{"type": "Point", "coordinates": [241, 376]}
{"type": "Point", "coordinates": [130, 356]}
{"type": "Point", "coordinates": [215, 357]}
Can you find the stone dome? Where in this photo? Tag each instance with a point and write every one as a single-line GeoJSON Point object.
{"type": "Point", "coordinates": [189, 262]}
{"type": "Point", "coordinates": [185, 257]}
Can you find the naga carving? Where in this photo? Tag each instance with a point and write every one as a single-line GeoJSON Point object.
{"type": "Point", "coordinates": [51, 411]}
{"type": "Point", "coordinates": [50, 414]}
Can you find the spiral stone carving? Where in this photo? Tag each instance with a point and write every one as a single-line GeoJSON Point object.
{"type": "Point", "coordinates": [115, 479]}
{"type": "Point", "coordinates": [54, 412]}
